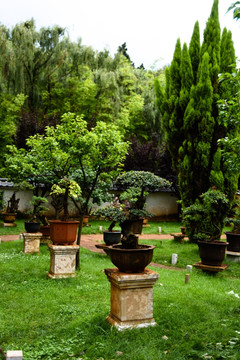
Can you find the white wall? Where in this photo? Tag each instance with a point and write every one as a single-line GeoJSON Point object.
{"type": "Point", "coordinates": [158, 203]}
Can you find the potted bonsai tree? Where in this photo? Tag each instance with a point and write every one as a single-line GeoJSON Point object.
{"type": "Point", "coordinates": [9, 215]}
{"type": "Point", "coordinates": [233, 236]}
{"type": "Point", "coordinates": [38, 217]}
{"type": "Point", "coordinates": [64, 231]}
{"type": "Point", "coordinates": [114, 212]}
{"type": "Point", "coordinates": [204, 222]}
{"type": "Point", "coordinates": [129, 256]}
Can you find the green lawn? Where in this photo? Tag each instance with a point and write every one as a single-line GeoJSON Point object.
{"type": "Point", "coordinates": [65, 319]}
{"type": "Point", "coordinates": [93, 227]}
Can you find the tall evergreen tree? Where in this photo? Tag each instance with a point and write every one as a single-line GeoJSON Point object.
{"type": "Point", "coordinates": [194, 50]}
{"type": "Point", "coordinates": [192, 137]}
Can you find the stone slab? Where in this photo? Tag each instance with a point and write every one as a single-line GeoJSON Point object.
{"type": "Point", "coordinates": [14, 355]}
{"type": "Point", "coordinates": [131, 299]}
{"type": "Point", "coordinates": [209, 268]}
{"type": "Point", "coordinates": [62, 261]}
{"type": "Point", "coordinates": [233, 256]}
{"type": "Point", "coordinates": [31, 242]}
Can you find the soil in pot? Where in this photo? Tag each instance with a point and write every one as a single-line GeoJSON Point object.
{"type": "Point", "coordinates": [233, 240]}
{"type": "Point", "coordinates": [111, 237]}
{"type": "Point", "coordinates": [32, 227]}
{"type": "Point", "coordinates": [131, 260]}
{"type": "Point", "coordinates": [212, 252]}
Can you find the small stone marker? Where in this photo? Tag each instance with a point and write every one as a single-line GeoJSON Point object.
{"type": "Point", "coordinates": [174, 259]}
{"type": "Point", "coordinates": [187, 278]}
{"type": "Point", "coordinates": [14, 355]}
{"type": "Point", "coordinates": [100, 228]}
{"type": "Point", "coordinates": [189, 268]}
{"type": "Point", "coordinates": [159, 229]}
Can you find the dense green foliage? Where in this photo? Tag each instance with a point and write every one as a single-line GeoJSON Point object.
{"type": "Point", "coordinates": [191, 115]}
{"type": "Point", "coordinates": [44, 75]}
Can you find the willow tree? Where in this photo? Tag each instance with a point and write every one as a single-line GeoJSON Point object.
{"type": "Point", "coordinates": [190, 107]}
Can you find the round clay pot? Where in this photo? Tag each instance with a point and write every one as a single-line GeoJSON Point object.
{"type": "Point", "coordinates": [131, 260]}
{"type": "Point", "coordinates": [111, 237]}
{"type": "Point", "coordinates": [212, 252]}
{"type": "Point", "coordinates": [9, 218]}
{"type": "Point", "coordinates": [234, 241]}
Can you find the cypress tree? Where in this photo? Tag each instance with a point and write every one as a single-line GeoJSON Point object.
{"type": "Point", "coordinates": [194, 50]}
{"type": "Point", "coordinates": [192, 125]}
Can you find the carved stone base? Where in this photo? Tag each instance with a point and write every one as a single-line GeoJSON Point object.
{"type": "Point", "coordinates": [62, 261]}
{"type": "Point", "coordinates": [31, 242]}
{"type": "Point", "coordinates": [131, 299]}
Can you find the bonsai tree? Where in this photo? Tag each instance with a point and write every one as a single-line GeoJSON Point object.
{"type": "Point", "coordinates": [204, 219]}
{"type": "Point", "coordinates": [12, 204]}
{"type": "Point", "coordinates": [131, 206]}
{"type": "Point", "coordinates": [39, 209]}
{"type": "Point", "coordinates": [113, 212]}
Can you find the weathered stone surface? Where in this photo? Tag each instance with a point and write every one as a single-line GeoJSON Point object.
{"type": "Point", "coordinates": [131, 298]}
{"type": "Point", "coordinates": [62, 261]}
{"type": "Point", "coordinates": [14, 355]}
{"type": "Point", "coordinates": [31, 242]}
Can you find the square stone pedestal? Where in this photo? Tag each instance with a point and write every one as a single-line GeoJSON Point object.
{"type": "Point", "coordinates": [131, 299]}
{"type": "Point", "coordinates": [31, 242]}
{"type": "Point", "coordinates": [62, 261]}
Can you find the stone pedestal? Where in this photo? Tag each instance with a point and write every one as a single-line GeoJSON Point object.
{"type": "Point", "coordinates": [62, 261]}
{"type": "Point", "coordinates": [131, 299]}
{"type": "Point", "coordinates": [233, 256]}
{"type": "Point", "coordinates": [31, 242]}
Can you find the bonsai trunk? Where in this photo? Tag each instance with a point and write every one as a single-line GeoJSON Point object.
{"type": "Point", "coordinates": [79, 241]}
{"type": "Point", "coordinates": [111, 226]}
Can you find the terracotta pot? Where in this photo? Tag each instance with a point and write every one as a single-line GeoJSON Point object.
{"type": "Point", "coordinates": [9, 217]}
{"type": "Point", "coordinates": [45, 230]}
{"type": "Point", "coordinates": [85, 220]}
{"type": "Point", "coordinates": [63, 232]}
{"type": "Point", "coordinates": [183, 230]}
{"type": "Point", "coordinates": [111, 237]}
{"type": "Point", "coordinates": [131, 260]}
{"type": "Point", "coordinates": [32, 227]}
{"type": "Point", "coordinates": [212, 252]}
{"type": "Point", "coordinates": [234, 241]}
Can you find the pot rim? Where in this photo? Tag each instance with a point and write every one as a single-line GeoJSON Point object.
{"type": "Point", "coordinates": [214, 242]}
{"type": "Point", "coordinates": [118, 247]}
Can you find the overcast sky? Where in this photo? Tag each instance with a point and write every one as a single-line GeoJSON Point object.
{"type": "Point", "coordinates": [149, 27]}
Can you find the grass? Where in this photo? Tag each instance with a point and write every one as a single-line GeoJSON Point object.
{"type": "Point", "coordinates": [93, 227]}
{"type": "Point", "coordinates": [65, 319]}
